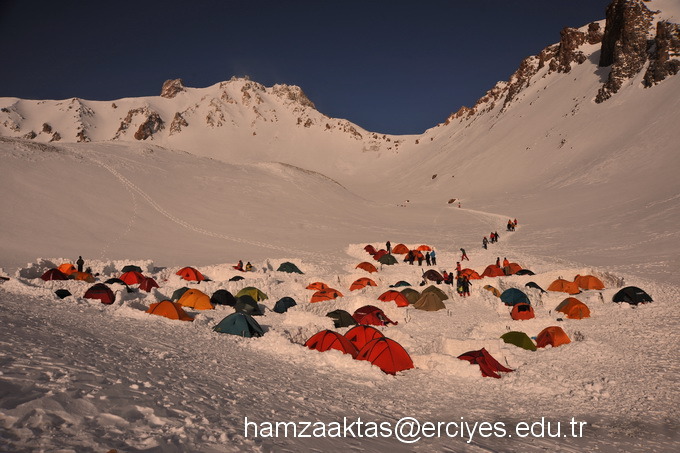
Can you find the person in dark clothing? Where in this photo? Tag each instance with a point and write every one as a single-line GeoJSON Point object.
{"type": "Point", "coordinates": [420, 259]}
{"type": "Point", "coordinates": [496, 235]}
{"type": "Point", "coordinates": [463, 255]}
{"type": "Point", "coordinates": [80, 263]}
{"type": "Point", "coordinates": [427, 258]}
{"type": "Point", "coordinates": [485, 242]}
{"type": "Point", "coordinates": [239, 266]}
{"type": "Point", "coordinates": [388, 246]}
{"type": "Point", "coordinates": [498, 261]}
{"type": "Point", "coordinates": [465, 284]}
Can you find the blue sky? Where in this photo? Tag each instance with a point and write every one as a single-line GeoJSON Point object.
{"type": "Point", "coordinates": [390, 66]}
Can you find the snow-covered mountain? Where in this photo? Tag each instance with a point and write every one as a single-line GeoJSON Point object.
{"type": "Point", "coordinates": [580, 145]}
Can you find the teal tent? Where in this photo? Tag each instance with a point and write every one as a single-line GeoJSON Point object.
{"type": "Point", "coordinates": [289, 267]}
{"type": "Point", "coordinates": [513, 296]}
{"type": "Point", "coordinates": [240, 324]}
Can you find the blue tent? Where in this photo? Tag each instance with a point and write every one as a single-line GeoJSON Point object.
{"type": "Point", "coordinates": [513, 296]}
{"type": "Point", "coordinates": [400, 283]}
{"type": "Point", "coordinates": [284, 304]}
{"type": "Point", "coordinates": [240, 324]}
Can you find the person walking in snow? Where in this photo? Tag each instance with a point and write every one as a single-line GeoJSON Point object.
{"type": "Point", "coordinates": [495, 235]}
{"type": "Point", "coordinates": [459, 268]}
{"type": "Point", "coordinates": [498, 261]}
{"type": "Point", "coordinates": [427, 258]}
{"type": "Point", "coordinates": [463, 255]}
{"type": "Point", "coordinates": [465, 284]}
{"type": "Point", "coordinates": [388, 246]}
{"type": "Point", "coordinates": [80, 263]}
{"type": "Point", "coordinates": [485, 242]}
{"type": "Point", "coordinates": [433, 257]}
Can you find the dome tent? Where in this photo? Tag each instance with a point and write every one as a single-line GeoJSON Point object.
{"type": "Point", "coordinates": [240, 324]}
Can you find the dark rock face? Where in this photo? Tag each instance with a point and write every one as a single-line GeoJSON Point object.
{"type": "Point", "coordinates": [153, 124]}
{"type": "Point", "coordinates": [624, 44]}
{"type": "Point", "coordinates": [567, 51]}
{"type": "Point", "coordinates": [666, 45]}
{"type": "Point", "coordinates": [178, 122]}
{"type": "Point", "coordinates": [171, 88]}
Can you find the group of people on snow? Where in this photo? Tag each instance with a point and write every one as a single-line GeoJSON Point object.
{"type": "Point", "coordinates": [239, 266]}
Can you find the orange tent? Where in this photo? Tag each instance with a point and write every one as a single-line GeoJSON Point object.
{"type": "Point", "coordinates": [493, 271]}
{"type": "Point", "coordinates": [327, 339]}
{"type": "Point", "coordinates": [169, 309]}
{"type": "Point", "coordinates": [82, 276]}
{"type": "Point", "coordinates": [132, 278]}
{"type": "Point", "coordinates": [553, 335]}
{"type": "Point", "coordinates": [317, 286]}
{"type": "Point", "coordinates": [190, 274]}
{"type": "Point", "coordinates": [362, 283]}
{"type": "Point", "coordinates": [573, 308]}
{"type": "Point", "coordinates": [67, 268]}
{"type": "Point", "coordinates": [470, 274]}
{"type": "Point", "coordinates": [387, 354]}
{"type": "Point", "coordinates": [564, 286]}
{"type": "Point", "coordinates": [368, 267]}
{"type": "Point", "coordinates": [522, 311]}
{"type": "Point", "coordinates": [588, 282]}
{"type": "Point", "coordinates": [424, 248]}
{"type": "Point", "coordinates": [513, 268]}
{"type": "Point", "coordinates": [195, 299]}
{"type": "Point", "coordinates": [400, 249]}
{"type": "Point", "coordinates": [325, 294]}
{"type": "Point", "coordinates": [394, 296]}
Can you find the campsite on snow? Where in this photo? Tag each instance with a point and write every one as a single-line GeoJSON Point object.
{"type": "Point", "coordinates": [352, 298]}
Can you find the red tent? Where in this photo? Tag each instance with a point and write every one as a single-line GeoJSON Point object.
{"type": "Point", "coordinates": [493, 271]}
{"type": "Point", "coordinates": [368, 267]}
{"type": "Point", "coordinates": [424, 248]}
{"type": "Point", "coordinates": [470, 274]}
{"type": "Point", "coordinates": [487, 364]}
{"type": "Point", "coordinates": [327, 339]}
{"type": "Point", "coordinates": [522, 311]}
{"type": "Point", "coordinates": [102, 292]}
{"type": "Point", "coordinates": [379, 254]}
{"type": "Point", "coordinates": [371, 315]}
{"type": "Point", "coordinates": [148, 284]}
{"type": "Point", "coordinates": [53, 274]}
{"type": "Point", "coordinates": [362, 334]}
{"type": "Point", "coordinates": [132, 277]}
{"type": "Point", "coordinates": [190, 274]}
{"type": "Point", "coordinates": [396, 296]}
{"type": "Point", "coordinates": [387, 354]}
{"type": "Point", "coordinates": [370, 249]}
{"type": "Point", "coordinates": [317, 286]}
{"type": "Point", "coordinates": [325, 294]}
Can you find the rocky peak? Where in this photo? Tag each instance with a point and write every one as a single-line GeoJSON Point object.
{"type": "Point", "coordinates": [624, 43]}
{"type": "Point", "coordinates": [172, 87]}
{"type": "Point", "coordinates": [293, 93]}
{"type": "Point", "coordinates": [666, 46]}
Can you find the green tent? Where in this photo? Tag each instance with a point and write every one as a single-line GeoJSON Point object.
{"type": "Point", "coordinates": [290, 268]}
{"type": "Point", "coordinates": [341, 318]}
{"type": "Point", "coordinates": [411, 295]}
{"type": "Point", "coordinates": [252, 292]}
{"type": "Point", "coordinates": [240, 324]}
{"type": "Point", "coordinates": [519, 339]}
{"type": "Point", "coordinates": [429, 301]}
{"type": "Point", "coordinates": [177, 295]}
{"type": "Point", "coordinates": [387, 259]}
{"type": "Point", "coordinates": [438, 292]}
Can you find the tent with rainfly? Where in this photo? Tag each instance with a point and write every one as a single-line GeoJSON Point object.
{"type": "Point", "coordinates": [564, 286]}
{"type": "Point", "coordinates": [132, 277]}
{"type": "Point", "coordinates": [82, 276]}
{"type": "Point", "coordinates": [361, 283]}
{"type": "Point", "coordinates": [632, 295]}
{"type": "Point", "coordinates": [53, 274]}
{"type": "Point", "coordinates": [573, 308]}
{"type": "Point", "coordinates": [522, 311]}
{"type": "Point", "coordinates": [400, 249]}
{"type": "Point", "coordinates": [341, 318]}
{"type": "Point", "coordinates": [131, 267]}
{"type": "Point", "coordinates": [433, 289]}
{"type": "Point", "coordinates": [328, 339]}
{"type": "Point", "coordinates": [67, 268]}
{"type": "Point", "coordinates": [489, 366]}
{"type": "Point", "coordinates": [433, 275]}
{"type": "Point", "coordinates": [361, 334]}
{"type": "Point", "coordinates": [190, 274]}
{"type": "Point", "coordinates": [252, 292]}
{"type": "Point", "coordinates": [492, 290]}
{"type": "Point", "coordinates": [493, 271]}
{"type": "Point", "coordinates": [102, 292]}
{"type": "Point", "coordinates": [282, 305]}
{"type": "Point", "coordinates": [325, 294]}
{"type": "Point", "coordinates": [588, 282]}
{"type": "Point", "coordinates": [519, 339]}
{"type": "Point", "coordinates": [429, 301]}
{"type": "Point", "coordinates": [387, 259]}
{"type": "Point", "coordinates": [513, 296]}
{"type": "Point", "coordinates": [317, 286]}
{"type": "Point", "coordinates": [411, 295]}
{"type": "Point", "coordinates": [386, 354]}
{"type": "Point", "coordinates": [368, 267]}
{"type": "Point", "coordinates": [552, 335]}
{"type": "Point", "coordinates": [240, 324]}
{"type": "Point", "coordinates": [148, 284]}
{"type": "Point", "coordinates": [289, 268]}
{"type": "Point", "coordinates": [248, 305]}
{"type": "Point", "coordinates": [196, 299]}
{"type": "Point", "coordinates": [372, 316]}
{"type": "Point", "coordinates": [394, 296]}
{"type": "Point", "coordinates": [223, 297]}
{"type": "Point", "coordinates": [169, 309]}
{"type": "Point", "coordinates": [470, 274]}
{"type": "Point", "coordinates": [370, 249]}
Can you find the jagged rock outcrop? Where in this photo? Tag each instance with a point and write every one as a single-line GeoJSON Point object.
{"type": "Point", "coordinates": [178, 122]}
{"type": "Point", "coordinates": [666, 46]}
{"type": "Point", "coordinates": [172, 87]}
{"type": "Point", "coordinates": [567, 50]}
{"type": "Point", "coordinates": [82, 137]}
{"type": "Point", "coordinates": [293, 93]}
{"type": "Point", "coordinates": [151, 123]}
{"type": "Point", "coordinates": [46, 128]}
{"type": "Point", "coordinates": [624, 44]}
